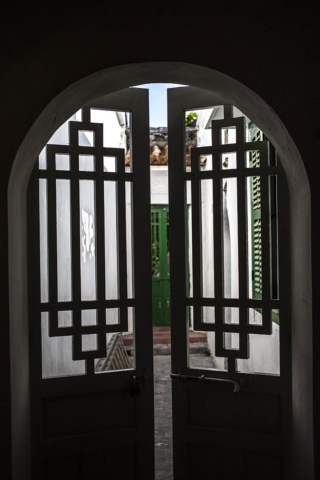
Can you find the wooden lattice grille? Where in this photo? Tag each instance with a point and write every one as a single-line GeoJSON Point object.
{"type": "Point", "coordinates": [259, 170]}
{"type": "Point", "coordinates": [99, 176]}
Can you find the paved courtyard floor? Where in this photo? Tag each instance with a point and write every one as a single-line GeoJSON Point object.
{"type": "Point", "coordinates": [163, 404]}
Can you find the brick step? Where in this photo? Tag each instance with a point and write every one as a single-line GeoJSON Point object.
{"type": "Point", "coordinates": [162, 329]}
{"type": "Point", "coordinates": [162, 336]}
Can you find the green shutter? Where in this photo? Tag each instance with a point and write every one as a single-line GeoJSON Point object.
{"type": "Point", "coordinates": [255, 135]}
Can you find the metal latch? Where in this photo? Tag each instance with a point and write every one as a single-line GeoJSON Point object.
{"type": "Point", "coordinates": [179, 376]}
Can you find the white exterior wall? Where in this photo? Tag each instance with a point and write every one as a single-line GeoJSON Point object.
{"type": "Point", "coordinates": [56, 351]}
{"type": "Point", "coordinates": [159, 185]}
{"type": "Point", "coordinates": [264, 351]}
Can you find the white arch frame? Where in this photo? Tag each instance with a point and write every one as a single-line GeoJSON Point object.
{"type": "Point", "coordinates": [57, 112]}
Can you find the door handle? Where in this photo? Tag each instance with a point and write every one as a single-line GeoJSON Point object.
{"type": "Point", "coordinates": [236, 386]}
{"type": "Point", "coordinates": [135, 388]}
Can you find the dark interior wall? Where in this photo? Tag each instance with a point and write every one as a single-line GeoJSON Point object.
{"type": "Point", "coordinates": [272, 50]}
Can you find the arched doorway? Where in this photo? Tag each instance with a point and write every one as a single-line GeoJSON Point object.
{"type": "Point", "coordinates": [247, 101]}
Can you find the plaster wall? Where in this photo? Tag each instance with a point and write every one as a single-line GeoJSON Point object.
{"type": "Point", "coordinates": [159, 185]}
{"type": "Point", "coordinates": [264, 353]}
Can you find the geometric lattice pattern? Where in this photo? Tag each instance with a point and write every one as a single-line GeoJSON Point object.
{"type": "Point", "coordinates": [260, 172]}
{"type": "Point", "coordinates": [99, 176]}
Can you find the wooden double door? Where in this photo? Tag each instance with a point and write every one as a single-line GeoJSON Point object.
{"type": "Point", "coordinates": [90, 299]}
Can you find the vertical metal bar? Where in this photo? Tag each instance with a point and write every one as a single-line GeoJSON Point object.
{"type": "Point", "coordinates": [141, 225]}
{"type": "Point", "coordinates": [242, 239]}
{"type": "Point", "coordinates": [228, 114]}
{"type": "Point", "coordinates": [217, 232]}
{"type": "Point", "coordinates": [265, 242]}
{"type": "Point", "coordinates": [122, 245]}
{"type": "Point", "coordinates": [228, 111]}
{"type": "Point", "coordinates": [140, 157]}
{"type": "Point", "coordinates": [177, 229]}
{"type": "Point", "coordinates": [100, 241]}
{"type": "Point", "coordinates": [196, 237]}
{"type": "Point", "coordinates": [86, 116]}
{"type": "Point", "coordinates": [75, 239]}
{"type": "Point", "coordinates": [90, 366]}
{"type": "Point", "coordinates": [178, 272]}
{"type": "Point", "coordinates": [52, 240]}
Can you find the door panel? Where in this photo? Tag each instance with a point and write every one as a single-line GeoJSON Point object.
{"type": "Point", "coordinates": [218, 432]}
{"type": "Point", "coordinates": [89, 282]}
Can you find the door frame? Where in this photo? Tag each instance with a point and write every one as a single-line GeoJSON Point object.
{"type": "Point", "coordinates": [233, 92]}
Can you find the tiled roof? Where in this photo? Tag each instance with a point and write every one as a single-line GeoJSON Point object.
{"type": "Point", "coordinates": [162, 158]}
{"type": "Point", "coordinates": [159, 146]}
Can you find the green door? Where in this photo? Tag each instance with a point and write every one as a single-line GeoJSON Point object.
{"type": "Point", "coordinates": [160, 265]}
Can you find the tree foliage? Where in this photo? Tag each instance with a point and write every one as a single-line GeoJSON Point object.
{"type": "Point", "coordinates": [190, 117]}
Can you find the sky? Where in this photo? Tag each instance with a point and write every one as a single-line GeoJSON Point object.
{"type": "Point", "coordinates": [158, 102]}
